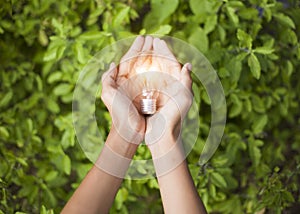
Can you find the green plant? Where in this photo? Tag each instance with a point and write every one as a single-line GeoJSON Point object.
{"type": "Point", "coordinates": [254, 47]}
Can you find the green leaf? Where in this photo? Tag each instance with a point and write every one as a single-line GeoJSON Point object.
{"type": "Point", "coordinates": [43, 38]}
{"type": "Point", "coordinates": [289, 68]}
{"type": "Point", "coordinates": [51, 176]}
{"type": "Point", "coordinates": [160, 11]}
{"type": "Point", "coordinates": [210, 23]}
{"type": "Point", "coordinates": [204, 7]}
{"type": "Point", "coordinates": [4, 133]}
{"type": "Point", "coordinates": [39, 83]}
{"type": "Point", "coordinates": [234, 66]}
{"type": "Point", "coordinates": [218, 180]}
{"type": "Point", "coordinates": [287, 196]}
{"type": "Point", "coordinates": [79, 52]}
{"type": "Point", "coordinates": [259, 123]}
{"type": "Point", "coordinates": [22, 161]}
{"type": "Point", "coordinates": [52, 106]}
{"type": "Point", "coordinates": [230, 205]}
{"type": "Point", "coordinates": [254, 151]}
{"type": "Point", "coordinates": [141, 169]}
{"type": "Point", "coordinates": [51, 197]}
{"type": "Point", "coordinates": [51, 54]}
{"type": "Point", "coordinates": [58, 26]}
{"type": "Point", "coordinates": [121, 16]}
{"type": "Point", "coordinates": [56, 76]}
{"type": "Point", "coordinates": [121, 197]}
{"type": "Point", "coordinates": [232, 15]}
{"type": "Point", "coordinates": [285, 20]}
{"type": "Point", "coordinates": [222, 33]}
{"type": "Point", "coordinates": [67, 164]}
{"type": "Point", "coordinates": [254, 65]}
{"type": "Point", "coordinates": [6, 99]}
{"type": "Point", "coordinates": [161, 30]}
{"type": "Point", "coordinates": [198, 7]}
{"type": "Point", "coordinates": [62, 89]}
{"type": "Point", "coordinates": [29, 125]}
{"type": "Point", "coordinates": [199, 39]}
{"type": "Point", "coordinates": [212, 190]}
{"type": "Point", "coordinates": [94, 15]}
{"type": "Point", "coordinates": [289, 36]}
{"type": "Point", "coordinates": [258, 104]}
{"type": "Point", "coordinates": [55, 49]}
{"type": "Point", "coordinates": [237, 106]}
{"type": "Point", "coordinates": [43, 210]}
{"type": "Point", "coordinates": [245, 39]}
{"type": "Point", "coordinates": [248, 13]}
{"type": "Point", "coordinates": [248, 105]}
{"type": "Point", "coordinates": [153, 184]}
{"type": "Point", "coordinates": [263, 50]}
{"type": "Point", "coordinates": [60, 52]}
{"type": "Point", "coordinates": [91, 35]}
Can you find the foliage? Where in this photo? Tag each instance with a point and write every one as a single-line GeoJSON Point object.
{"type": "Point", "coordinates": [254, 47]}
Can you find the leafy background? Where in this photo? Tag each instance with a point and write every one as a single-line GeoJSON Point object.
{"type": "Point", "coordinates": [254, 47]}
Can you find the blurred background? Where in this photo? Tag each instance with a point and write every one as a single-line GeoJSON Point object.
{"type": "Point", "coordinates": [253, 46]}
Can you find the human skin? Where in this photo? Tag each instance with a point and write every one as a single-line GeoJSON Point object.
{"type": "Point", "coordinates": [177, 189]}
{"type": "Point", "coordinates": [97, 191]}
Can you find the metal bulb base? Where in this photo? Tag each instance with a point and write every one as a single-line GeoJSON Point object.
{"type": "Point", "coordinates": [148, 106]}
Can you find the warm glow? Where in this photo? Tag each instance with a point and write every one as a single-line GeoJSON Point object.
{"type": "Point", "coordinates": [145, 66]}
{"type": "Point", "coordinates": [143, 69]}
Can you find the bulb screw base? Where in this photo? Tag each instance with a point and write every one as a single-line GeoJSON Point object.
{"type": "Point", "coordinates": [148, 106]}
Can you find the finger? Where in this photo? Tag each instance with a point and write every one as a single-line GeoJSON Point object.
{"type": "Point", "coordinates": [168, 61]}
{"type": "Point", "coordinates": [135, 48]}
{"type": "Point", "coordinates": [185, 76]}
{"type": "Point", "coordinates": [161, 47]}
{"type": "Point", "coordinates": [148, 44]}
{"type": "Point", "coordinates": [143, 61]}
{"type": "Point", "coordinates": [130, 57]}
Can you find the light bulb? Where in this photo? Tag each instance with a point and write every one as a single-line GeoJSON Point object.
{"type": "Point", "coordinates": [148, 99]}
{"type": "Point", "coordinates": [148, 103]}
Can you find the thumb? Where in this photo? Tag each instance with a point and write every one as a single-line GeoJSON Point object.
{"type": "Point", "coordinates": [185, 76]}
{"type": "Point", "coordinates": [109, 77]}
{"type": "Point", "coordinates": [109, 85]}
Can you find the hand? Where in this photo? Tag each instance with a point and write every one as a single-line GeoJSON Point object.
{"type": "Point", "coordinates": [175, 99]}
{"type": "Point", "coordinates": [118, 96]}
{"type": "Point", "coordinates": [163, 133]}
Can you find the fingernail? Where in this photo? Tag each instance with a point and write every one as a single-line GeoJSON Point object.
{"type": "Point", "coordinates": [189, 66]}
{"type": "Point", "coordinates": [112, 65]}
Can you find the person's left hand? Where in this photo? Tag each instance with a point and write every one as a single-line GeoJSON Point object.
{"type": "Point", "coordinates": [174, 100]}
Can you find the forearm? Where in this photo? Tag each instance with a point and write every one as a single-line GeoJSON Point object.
{"type": "Point", "coordinates": [178, 192]}
{"type": "Point", "coordinates": [97, 191]}
{"type": "Point", "coordinates": [95, 194]}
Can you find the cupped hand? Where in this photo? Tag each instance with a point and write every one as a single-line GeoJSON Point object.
{"type": "Point", "coordinates": [174, 101]}
{"type": "Point", "coordinates": [123, 86]}
{"type": "Point", "coordinates": [120, 95]}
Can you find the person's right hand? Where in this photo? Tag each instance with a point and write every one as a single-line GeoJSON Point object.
{"type": "Point", "coordinates": [174, 101]}
{"type": "Point", "coordinates": [117, 95]}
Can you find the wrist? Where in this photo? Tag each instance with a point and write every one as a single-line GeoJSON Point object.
{"type": "Point", "coordinates": [163, 145]}
{"type": "Point", "coordinates": [116, 154]}
{"type": "Point", "coordinates": [120, 145]}
{"type": "Point", "coordinates": [167, 155]}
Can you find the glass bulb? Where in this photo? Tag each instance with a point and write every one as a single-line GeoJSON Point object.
{"type": "Point", "coordinates": [148, 102]}
{"type": "Point", "coordinates": [148, 99]}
